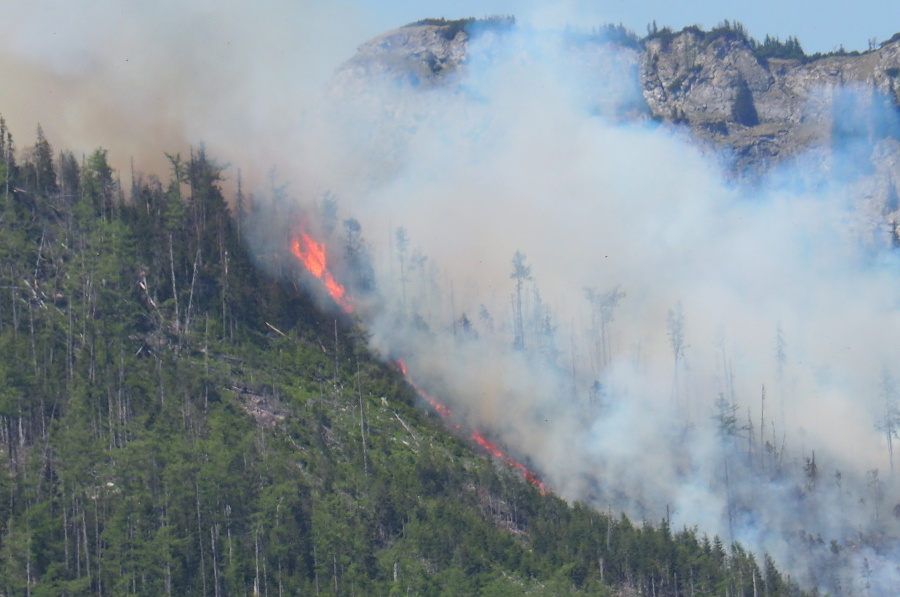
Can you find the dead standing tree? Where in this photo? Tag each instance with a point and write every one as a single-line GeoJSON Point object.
{"type": "Point", "coordinates": [521, 273]}
{"type": "Point", "coordinates": [603, 306]}
{"type": "Point", "coordinates": [675, 326]}
{"type": "Point", "coordinates": [889, 423]}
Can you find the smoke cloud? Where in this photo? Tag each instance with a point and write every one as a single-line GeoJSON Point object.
{"type": "Point", "coordinates": [683, 344]}
{"type": "Point", "coordinates": [719, 351]}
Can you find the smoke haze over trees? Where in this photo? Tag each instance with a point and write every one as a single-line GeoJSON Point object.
{"type": "Point", "coordinates": [738, 385]}
{"type": "Point", "coordinates": [729, 369]}
{"type": "Point", "coordinates": [172, 421]}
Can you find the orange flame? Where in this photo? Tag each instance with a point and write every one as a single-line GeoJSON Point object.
{"type": "Point", "coordinates": [441, 409]}
{"type": "Point", "coordinates": [312, 255]}
{"type": "Point", "coordinates": [487, 445]}
{"type": "Point", "coordinates": [497, 453]}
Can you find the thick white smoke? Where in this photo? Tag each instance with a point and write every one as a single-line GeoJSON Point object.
{"type": "Point", "coordinates": [540, 146]}
{"type": "Point", "coordinates": [736, 375]}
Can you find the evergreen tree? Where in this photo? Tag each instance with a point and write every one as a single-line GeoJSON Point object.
{"type": "Point", "coordinates": [144, 454]}
{"type": "Point", "coordinates": [44, 171]}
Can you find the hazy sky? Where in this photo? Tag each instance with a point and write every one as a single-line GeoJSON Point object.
{"type": "Point", "coordinates": [821, 26]}
{"type": "Point", "coordinates": [142, 77]}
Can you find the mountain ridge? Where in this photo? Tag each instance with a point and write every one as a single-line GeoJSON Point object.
{"type": "Point", "coordinates": [754, 113]}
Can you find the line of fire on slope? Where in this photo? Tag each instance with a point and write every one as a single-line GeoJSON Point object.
{"type": "Point", "coordinates": [313, 256]}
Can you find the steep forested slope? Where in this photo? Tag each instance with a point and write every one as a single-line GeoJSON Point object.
{"type": "Point", "coordinates": [174, 422]}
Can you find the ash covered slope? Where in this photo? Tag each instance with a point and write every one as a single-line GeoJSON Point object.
{"type": "Point", "coordinates": [761, 112]}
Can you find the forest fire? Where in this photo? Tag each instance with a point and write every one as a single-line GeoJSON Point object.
{"type": "Point", "coordinates": [478, 437]}
{"type": "Point", "coordinates": [314, 259]}
{"type": "Point", "coordinates": [492, 448]}
{"type": "Point", "coordinates": [441, 409]}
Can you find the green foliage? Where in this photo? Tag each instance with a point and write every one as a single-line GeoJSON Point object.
{"type": "Point", "coordinates": [734, 31]}
{"type": "Point", "coordinates": [159, 439]}
{"type": "Point", "coordinates": [664, 35]}
{"type": "Point", "coordinates": [450, 28]}
{"type": "Point", "coordinates": [617, 34]}
{"type": "Point", "coordinates": [41, 170]}
{"type": "Point", "coordinates": [98, 186]}
{"type": "Point", "coordinates": [772, 47]}
{"type": "Point", "coordinates": [893, 38]}
{"type": "Point", "coordinates": [729, 29]}
{"type": "Point", "coordinates": [607, 33]}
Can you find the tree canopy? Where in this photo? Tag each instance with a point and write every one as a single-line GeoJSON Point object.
{"type": "Point", "coordinates": [174, 421]}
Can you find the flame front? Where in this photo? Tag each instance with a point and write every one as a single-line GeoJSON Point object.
{"type": "Point", "coordinates": [478, 437]}
{"type": "Point", "coordinates": [313, 257]}
{"type": "Point", "coordinates": [497, 453]}
{"type": "Point", "coordinates": [441, 409]}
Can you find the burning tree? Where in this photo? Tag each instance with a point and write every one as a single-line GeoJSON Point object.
{"type": "Point", "coordinates": [314, 258]}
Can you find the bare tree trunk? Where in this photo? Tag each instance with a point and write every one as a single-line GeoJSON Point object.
{"type": "Point", "coordinates": [199, 540]}
{"type": "Point", "coordinates": [174, 287]}
{"type": "Point", "coordinates": [334, 560]}
{"type": "Point", "coordinates": [87, 545]}
{"type": "Point", "coordinates": [362, 421]}
{"type": "Point", "coordinates": [256, 578]}
{"type": "Point", "coordinates": [335, 383]}
{"type": "Point", "coordinates": [225, 302]}
{"type": "Point", "coordinates": [187, 317]}
{"type": "Point", "coordinates": [213, 530]}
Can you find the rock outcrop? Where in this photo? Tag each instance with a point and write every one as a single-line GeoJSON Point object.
{"type": "Point", "coordinates": [760, 112]}
{"type": "Point", "coordinates": [768, 110]}
{"type": "Point", "coordinates": [420, 54]}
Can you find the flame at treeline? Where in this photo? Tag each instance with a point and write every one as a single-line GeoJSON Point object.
{"type": "Point", "coordinates": [491, 447]}
{"type": "Point", "coordinates": [441, 409]}
{"type": "Point", "coordinates": [314, 258]}
{"type": "Point", "coordinates": [478, 437]}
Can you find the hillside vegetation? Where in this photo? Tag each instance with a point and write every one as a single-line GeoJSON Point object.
{"type": "Point", "coordinates": [173, 422]}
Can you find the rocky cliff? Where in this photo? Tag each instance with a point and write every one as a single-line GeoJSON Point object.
{"type": "Point", "coordinates": [756, 112]}
{"type": "Point", "coordinates": [768, 110]}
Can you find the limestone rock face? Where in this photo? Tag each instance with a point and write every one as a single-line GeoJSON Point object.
{"type": "Point", "coordinates": [689, 78]}
{"type": "Point", "coordinates": [695, 79]}
{"type": "Point", "coordinates": [759, 112]}
{"type": "Point", "coordinates": [417, 54]}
